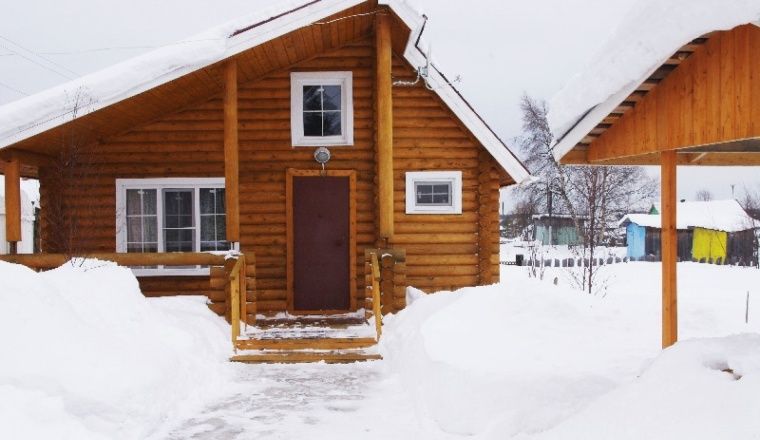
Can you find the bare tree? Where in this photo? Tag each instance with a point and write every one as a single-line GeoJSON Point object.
{"type": "Point", "coordinates": [704, 195]}
{"type": "Point", "coordinates": [594, 197]}
{"type": "Point", "coordinates": [67, 202]}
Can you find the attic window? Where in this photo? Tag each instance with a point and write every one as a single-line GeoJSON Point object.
{"type": "Point", "coordinates": [321, 108]}
{"type": "Point", "coordinates": [434, 192]}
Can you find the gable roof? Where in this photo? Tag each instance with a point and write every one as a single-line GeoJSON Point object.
{"type": "Point", "coordinates": [640, 49]}
{"type": "Point", "coordinates": [719, 215]}
{"type": "Point", "coordinates": [38, 113]}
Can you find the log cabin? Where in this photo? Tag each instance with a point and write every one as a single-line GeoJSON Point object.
{"type": "Point", "coordinates": [686, 95]}
{"type": "Point", "coordinates": [314, 140]}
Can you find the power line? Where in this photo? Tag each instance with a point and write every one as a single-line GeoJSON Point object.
{"type": "Point", "coordinates": [13, 89]}
{"type": "Point", "coordinates": [49, 67]}
{"type": "Point", "coordinates": [107, 48]}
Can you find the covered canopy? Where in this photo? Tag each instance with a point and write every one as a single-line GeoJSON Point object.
{"type": "Point", "coordinates": [677, 85]}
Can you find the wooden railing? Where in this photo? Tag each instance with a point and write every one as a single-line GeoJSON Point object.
{"type": "Point", "coordinates": [234, 267]}
{"type": "Point", "coordinates": [376, 295]}
{"type": "Point", "coordinates": [50, 261]}
{"type": "Point", "coordinates": [237, 284]}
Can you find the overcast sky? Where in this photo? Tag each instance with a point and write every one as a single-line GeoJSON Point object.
{"type": "Point", "coordinates": [500, 48]}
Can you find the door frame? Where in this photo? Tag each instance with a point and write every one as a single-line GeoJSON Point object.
{"type": "Point", "coordinates": [289, 175]}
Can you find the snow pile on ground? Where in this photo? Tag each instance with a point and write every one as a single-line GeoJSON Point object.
{"type": "Point", "coordinates": [85, 355]}
{"type": "Point", "coordinates": [524, 357]}
{"type": "Point", "coordinates": [698, 389]}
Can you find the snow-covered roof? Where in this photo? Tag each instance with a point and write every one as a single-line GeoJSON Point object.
{"type": "Point", "coordinates": [719, 215]}
{"type": "Point", "coordinates": [654, 31]}
{"type": "Point", "coordinates": [37, 113]}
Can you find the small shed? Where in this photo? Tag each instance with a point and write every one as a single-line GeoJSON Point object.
{"type": "Point", "coordinates": [555, 229]}
{"type": "Point", "coordinates": [712, 231]}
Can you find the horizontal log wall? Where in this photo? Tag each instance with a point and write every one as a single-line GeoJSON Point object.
{"type": "Point", "coordinates": [183, 144]}
{"type": "Point", "coordinates": [266, 152]}
{"type": "Point", "coordinates": [443, 251]}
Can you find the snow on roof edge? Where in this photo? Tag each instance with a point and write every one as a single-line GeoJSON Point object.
{"type": "Point", "coordinates": [637, 49]}
{"type": "Point", "coordinates": [280, 22]}
{"type": "Point", "coordinates": [187, 56]}
{"type": "Point", "coordinates": [453, 98]}
{"type": "Point", "coordinates": [720, 215]}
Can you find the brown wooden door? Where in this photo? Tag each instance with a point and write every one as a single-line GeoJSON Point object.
{"type": "Point", "coordinates": [321, 243]}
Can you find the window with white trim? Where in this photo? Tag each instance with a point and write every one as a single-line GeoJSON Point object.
{"type": "Point", "coordinates": [170, 215]}
{"type": "Point", "coordinates": [321, 108]}
{"type": "Point", "coordinates": [434, 192]}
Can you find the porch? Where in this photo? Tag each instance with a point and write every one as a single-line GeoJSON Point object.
{"type": "Point", "coordinates": [279, 337]}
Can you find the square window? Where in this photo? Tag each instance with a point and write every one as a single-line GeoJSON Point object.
{"type": "Point", "coordinates": [321, 108]}
{"type": "Point", "coordinates": [434, 192]}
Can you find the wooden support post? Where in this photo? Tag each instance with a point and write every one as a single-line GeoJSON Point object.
{"type": "Point", "coordinates": [384, 126]}
{"type": "Point", "coordinates": [13, 203]}
{"type": "Point", "coordinates": [487, 221]}
{"type": "Point", "coordinates": [669, 248]}
{"type": "Point", "coordinates": [231, 153]}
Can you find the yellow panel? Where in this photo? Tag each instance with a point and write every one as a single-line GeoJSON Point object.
{"type": "Point", "coordinates": [709, 244]}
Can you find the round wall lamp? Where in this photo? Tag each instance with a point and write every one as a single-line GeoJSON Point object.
{"type": "Point", "coordinates": [322, 156]}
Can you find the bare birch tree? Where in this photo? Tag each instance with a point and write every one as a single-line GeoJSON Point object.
{"type": "Point", "coordinates": [594, 197]}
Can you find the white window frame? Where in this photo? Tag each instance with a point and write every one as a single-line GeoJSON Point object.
{"type": "Point", "coordinates": [159, 184]}
{"type": "Point", "coordinates": [452, 177]}
{"type": "Point", "coordinates": [300, 79]}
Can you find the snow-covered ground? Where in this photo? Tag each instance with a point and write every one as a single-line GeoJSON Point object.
{"type": "Point", "coordinates": [526, 356]}
{"type": "Point", "coordinates": [86, 356]}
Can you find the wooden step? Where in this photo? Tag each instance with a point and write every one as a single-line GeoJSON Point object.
{"type": "Point", "coordinates": [305, 343]}
{"type": "Point", "coordinates": [294, 357]}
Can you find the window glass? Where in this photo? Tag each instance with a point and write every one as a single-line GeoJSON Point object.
{"type": "Point", "coordinates": [213, 220]}
{"type": "Point", "coordinates": [322, 110]}
{"type": "Point", "coordinates": [141, 220]}
{"type": "Point", "coordinates": [179, 227]}
{"type": "Point", "coordinates": [433, 193]}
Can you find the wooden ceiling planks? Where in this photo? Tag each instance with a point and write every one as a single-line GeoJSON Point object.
{"type": "Point", "coordinates": [637, 95]}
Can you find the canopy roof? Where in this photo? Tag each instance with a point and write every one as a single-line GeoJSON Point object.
{"type": "Point", "coordinates": [117, 98]}
{"type": "Point", "coordinates": [657, 37]}
{"type": "Point", "coordinates": [719, 215]}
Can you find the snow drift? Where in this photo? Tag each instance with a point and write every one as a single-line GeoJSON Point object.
{"type": "Point", "coordinates": [86, 355]}
{"type": "Point", "coordinates": [698, 389]}
{"type": "Point", "coordinates": [529, 358]}
{"type": "Point", "coordinates": [518, 356]}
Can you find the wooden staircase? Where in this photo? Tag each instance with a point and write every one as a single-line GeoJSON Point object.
{"type": "Point", "coordinates": [302, 339]}
{"type": "Point", "coordinates": [302, 342]}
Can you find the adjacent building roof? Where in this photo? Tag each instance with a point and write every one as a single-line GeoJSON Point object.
{"type": "Point", "coordinates": [647, 40]}
{"type": "Point", "coordinates": [43, 111]}
{"type": "Point", "coordinates": [719, 215]}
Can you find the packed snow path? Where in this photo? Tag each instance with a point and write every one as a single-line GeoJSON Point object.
{"type": "Point", "coordinates": [316, 401]}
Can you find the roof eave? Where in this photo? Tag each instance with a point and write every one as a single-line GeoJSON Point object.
{"type": "Point", "coordinates": [452, 98]}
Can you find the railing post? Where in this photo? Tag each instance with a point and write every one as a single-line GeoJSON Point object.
{"type": "Point", "coordinates": [234, 283]}
{"type": "Point", "coordinates": [376, 295]}
{"type": "Point", "coordinates": [243, 290]}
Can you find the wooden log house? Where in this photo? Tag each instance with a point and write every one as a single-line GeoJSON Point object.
{"type": "Point", "coordinates": [697, 106]}
{"type": "Point", "coordinates": [218, 154]}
